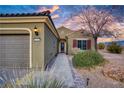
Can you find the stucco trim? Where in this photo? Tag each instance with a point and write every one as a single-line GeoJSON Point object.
{"type": "Point", "coordinates": [43, 19]}
{"type": "Point", "coordinates": [82, 38]}
{"type": "Point", "coordinates": [30, 32]}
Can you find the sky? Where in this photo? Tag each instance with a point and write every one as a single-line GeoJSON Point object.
{"type": "Point", "coordinates": [60, 14]}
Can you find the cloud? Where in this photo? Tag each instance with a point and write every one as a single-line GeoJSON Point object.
{"type": "Point", "coordinates": [56, 16]}
{"type": "Point", "coordinates": [75, 23]}
{"type": "Point", "coordinates": [41, 9]}
{"type": "Point", "coordinates": [52, 10]}
{"type": "Point", "coordinates": [72, 23]}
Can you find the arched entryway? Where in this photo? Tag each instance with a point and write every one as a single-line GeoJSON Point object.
{"type": "Point", "coordinates": [62, 46]}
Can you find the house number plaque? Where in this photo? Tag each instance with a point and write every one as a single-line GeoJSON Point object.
{"type": "Point", "coordinates": [37, 39]}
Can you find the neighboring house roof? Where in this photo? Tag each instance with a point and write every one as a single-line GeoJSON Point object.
{"type": "Point", "coordinates": [83, 32]}
{"type": "Point", "coordinates": [64, 28]}
{"type": "Point", "coordinates": [63, 32]}
{"type": "Point", "coordinates": [77, 34]}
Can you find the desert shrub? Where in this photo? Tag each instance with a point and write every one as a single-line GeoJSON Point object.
{"type": "Point", "coordinates": [101, 45]}
{"type": "Point", "coordinates": [87, 59]}
{"type": "Point", "coordinates": [34, 79]}
{"type": "Point", "coordinates": [114, 48]}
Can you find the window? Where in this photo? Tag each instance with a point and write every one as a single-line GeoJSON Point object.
{"type": "Point", "coordinates": [82, 44]}
{"type": "Point", "coordinates": [79, 43]}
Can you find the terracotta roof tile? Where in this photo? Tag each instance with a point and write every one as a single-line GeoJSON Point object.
{"type": "Point", "coordinates": [44, 13]}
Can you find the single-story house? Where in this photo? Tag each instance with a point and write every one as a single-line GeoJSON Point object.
{"type": "Point", "coordinates": [30, 40]}
{"type": "Point", "coordinates": [72, 42]}
{"type": "Point", "coordinates": [27, 40]}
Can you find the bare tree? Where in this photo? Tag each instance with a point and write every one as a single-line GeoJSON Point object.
{"type": "Point", "coordinates": [96, 22]}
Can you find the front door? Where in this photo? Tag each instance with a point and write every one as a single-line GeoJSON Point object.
{"type": "Point", "coordinates": [62, 47]}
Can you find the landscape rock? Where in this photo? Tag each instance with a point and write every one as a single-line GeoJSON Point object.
{"type": "Point", "coordinates": [115, 72]}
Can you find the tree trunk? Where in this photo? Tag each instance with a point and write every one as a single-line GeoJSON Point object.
{"type": "Point", "coordinates": [95, 42]}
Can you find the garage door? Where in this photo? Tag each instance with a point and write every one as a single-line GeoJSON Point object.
{"type": "Point", "coordinates": [14, 50]}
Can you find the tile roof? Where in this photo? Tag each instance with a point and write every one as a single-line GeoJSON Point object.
{"type": "Point", "coordinates": [44, 13]}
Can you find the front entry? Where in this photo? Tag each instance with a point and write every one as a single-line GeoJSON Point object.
{"type": "Point", "coordinates": [62, 47]}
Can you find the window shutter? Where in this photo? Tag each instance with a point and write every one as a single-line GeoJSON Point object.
{"type": "Point", "coordinates": [74, 43]}
{"type": "Point", "coordinates": [88, 44]}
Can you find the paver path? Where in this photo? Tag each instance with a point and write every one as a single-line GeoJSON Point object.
{"type": "Point", "coordinates": [79, 80]}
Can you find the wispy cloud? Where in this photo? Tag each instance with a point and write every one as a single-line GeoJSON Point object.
{"type": "Point", "coordinates": [75, 23]}
{"type": "Point", "coordinates": [72, 23]}
{"type": "Point", "coordinates": [56, 16]}
{"type": "Point", "coordinates": [52, 9]}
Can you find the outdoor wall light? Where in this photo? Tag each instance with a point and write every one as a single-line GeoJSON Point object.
{"type": "Point", "coordinates": [36, 31]}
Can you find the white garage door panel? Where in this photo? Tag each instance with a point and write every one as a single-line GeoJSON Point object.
{"type": "Point", "coordinates": [14, 51]}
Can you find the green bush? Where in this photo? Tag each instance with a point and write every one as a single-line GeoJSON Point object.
{"type": "Point", "coordinates": [87, 59]}
{"type": "Point", "coordinates": [114, 48]}
{"type": "Point", "coordinates": [101, 46]}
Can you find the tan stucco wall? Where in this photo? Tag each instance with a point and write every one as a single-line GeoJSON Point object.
{"type": "Point", "coordinates": [63, 32]}
{"type": "Point", "coordinates": [50, 45]}
{"type": "Point", "coordinates": [71, 35]}
{"type": "Point", "coordinates": [77, 35]}
{"type": "Point", "coordinates": [37, 47]}
{"type": "Point", "coordinates": [72, 50]}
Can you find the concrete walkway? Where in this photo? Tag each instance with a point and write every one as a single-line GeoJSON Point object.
{"type": "Point", "coordinates": [64, 70]}
{"type": "Point", "coordinates": [61, 68]}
